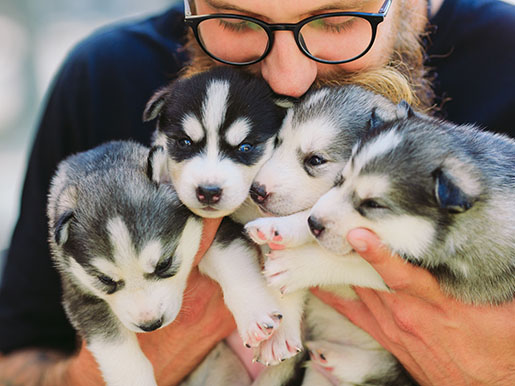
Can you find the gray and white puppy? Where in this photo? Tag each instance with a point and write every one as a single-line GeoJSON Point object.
{"type": "Point", "coordinates": [313, 145]}
{"type": "Point", "coordinates": [124, 246]}
{"type": "Point", "coordinates": [440, 195]}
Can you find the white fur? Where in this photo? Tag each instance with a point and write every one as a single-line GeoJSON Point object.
{"type": "Point", "coordinates": [121, 241]}
{"type": "Point", "coordinates": [214, 107]}
{"type": "Point", "coordinates": [253, 304]}
{"type": "Point", "coordinates": [371, 186]}
{"type": "Point", "coordinates": [238, 131]}
{"type": "Point", "coordinates": [315, 98]}
{"type": "Point", "coordinates": [121, 361]}
{"type": "Point", "coordinates": [384, 143]}
{"type": "Point", "coordinates": [192, 128]}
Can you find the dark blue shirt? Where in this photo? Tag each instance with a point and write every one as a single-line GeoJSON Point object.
{"type": "Point", "coordinates": [101, 90]}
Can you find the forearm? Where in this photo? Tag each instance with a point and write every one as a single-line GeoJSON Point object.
{"type": "Point", "coordinates": [35, 367]}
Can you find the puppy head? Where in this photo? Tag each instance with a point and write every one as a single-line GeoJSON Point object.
{"type": "Point", "coordinates": [404, 184]}
{"type": "Point", "coordinates": [314, 143]}
{"type": "Point", "coordinates": [218, 128]}
{"type": "Point", "coordinates": [125, 238]}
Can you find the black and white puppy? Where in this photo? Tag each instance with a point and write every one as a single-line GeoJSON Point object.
{"type": "Point", "coordinates": [218, 128]}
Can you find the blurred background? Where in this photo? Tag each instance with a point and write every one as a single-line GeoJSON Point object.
{"type": "Point", "coordinates": [35, 37]}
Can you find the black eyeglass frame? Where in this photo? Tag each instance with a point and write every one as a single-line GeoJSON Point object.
{"type": "Point", "coordinates": [374, 19]}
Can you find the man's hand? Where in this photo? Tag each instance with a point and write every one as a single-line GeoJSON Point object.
{"type": "Point", "coordinates": [439, 340]}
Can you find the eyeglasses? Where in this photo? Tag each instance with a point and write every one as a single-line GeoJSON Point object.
{"type": "Point", "coordinates": [333, 38]}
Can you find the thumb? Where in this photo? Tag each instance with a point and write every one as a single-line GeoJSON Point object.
{"type": "Point", "coordinates": [397, 273]}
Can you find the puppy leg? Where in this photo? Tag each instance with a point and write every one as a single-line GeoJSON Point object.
{"type": "Point", "coordinates": [235, 267]}
{"type": "Point", "coordinates": [221, 367]}
{"type": "Point", "coordinates": [310, 265]}
{"type": "Point", "coordinates": [349, 364]}
{"type": "Point", "coordinates": [280, 232]}
{"type": "Point", "coordinates": [318, 376]}
{"type": "Point", "coordinates": [121, 360]}
{"type": "Point", "coordinates": [286, 341]}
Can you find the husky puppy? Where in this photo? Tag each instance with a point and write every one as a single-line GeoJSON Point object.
{"type": "Point", "coordinates": [218, 128]}
{"type": "Point", "coordinates": [442, 196]}
{"type": "Point", "coordinates": [124, 245]}
{"type": "Point", "coordinates": [313, 145]}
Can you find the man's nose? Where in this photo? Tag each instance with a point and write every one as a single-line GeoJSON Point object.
{"type": "Point", "coordinates": [287, 70]}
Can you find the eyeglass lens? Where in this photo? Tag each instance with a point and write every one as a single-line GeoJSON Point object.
{"type": "Point", "coordinates": [331, 38]}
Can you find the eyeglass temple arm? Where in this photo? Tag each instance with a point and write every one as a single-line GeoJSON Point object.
{"type": "Point", "coordinates": [384, 8]}
{"type": "Point", "coordinates": [187, 9]}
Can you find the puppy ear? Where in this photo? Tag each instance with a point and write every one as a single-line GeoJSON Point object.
{"type": "Point", "coordinates": [157, 166]}
{"type": "Point", "coordinates": [61, 227]}
{"type": "Point", "coordinates": [404, 110]}
{"type": "Point", "coordinates": [449, 194]}
{"type": "Point", "coordinates": [375, 120]}
{"type": "Point", "coordinates": [155, 104]}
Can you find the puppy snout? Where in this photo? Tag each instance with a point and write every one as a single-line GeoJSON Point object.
{"type": "Point", "coordinates": [258, 193]}
{"type": "Point", "coordinates": [316, 226]}
{"type": "Point", "coordinates": [209, 194]}
{"type": "Point", "coordinates": [151, 325]}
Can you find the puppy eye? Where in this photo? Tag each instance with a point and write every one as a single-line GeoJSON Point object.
{"type": "Point", "coordinates": [315, 161]}
{"type": "Point", "coordinates": [106, 280]}
{"type": "Point", "coordinates": [184, 142]}
{"type": "Point", "coordinates": [112, 286]}
{"type": "Point", "coordinates": [245, 147]}
{"type": "Point", "coordinates": [371, 204]}
{"type": "Point", "coordinates": [163, 267]}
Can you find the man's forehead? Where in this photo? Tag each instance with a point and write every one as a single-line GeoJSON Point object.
{"type": "Point", "coordinates": [287, 10]}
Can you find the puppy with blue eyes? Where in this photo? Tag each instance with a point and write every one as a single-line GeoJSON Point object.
{"type": "Point", "coordinates": [218, 128]}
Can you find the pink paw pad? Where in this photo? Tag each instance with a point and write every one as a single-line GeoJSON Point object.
{"type": "Point", "coordinates": [261, 235]}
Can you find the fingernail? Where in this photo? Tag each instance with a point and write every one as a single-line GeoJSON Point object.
{"type": "Point", "coordinates": [359, 244]}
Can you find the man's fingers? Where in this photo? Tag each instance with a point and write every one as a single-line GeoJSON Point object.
{"type": "Point", "coordinates": [359, 313]}
{"type": "Point", "coordinates": [398, 274]}
{"type": "Point", "coordinates": [210, 226]}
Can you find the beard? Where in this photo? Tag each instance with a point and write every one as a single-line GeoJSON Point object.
{"type": "Point", "coordinates": [403, 78]}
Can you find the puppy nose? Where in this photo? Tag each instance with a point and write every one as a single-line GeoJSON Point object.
{"type": "Point", "coordinates": [209, 194]}
{"type": "Point", "coordinates": [258, 193]}
{"type": "Point", "coordinates": [151, 325]}
{"type": "Point", "coordinates": [315, 226]}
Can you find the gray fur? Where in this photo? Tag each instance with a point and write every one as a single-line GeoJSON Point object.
{"type": "Point", "coordinates": [113, 180]}
{"type": "Point", "coordinates": [473, 252]}
{"type": "Point", "coordinates": [326, 123]}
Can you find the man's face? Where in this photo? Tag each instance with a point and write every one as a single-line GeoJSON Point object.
{"type": "Point", "coordinates": [286, 69]}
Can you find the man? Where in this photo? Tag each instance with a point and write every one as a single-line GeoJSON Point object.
{"type": "Point", "coordinates": [100, 94]}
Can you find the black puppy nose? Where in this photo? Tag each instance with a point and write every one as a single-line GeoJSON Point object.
{"type": "Point", "coordinates": [258, 193]}
{"type": "Point", "coordinates": [152, 325]}
{"type": "Point", "coordinates": [209, 194]}
{"type": "Point", "coordinates": [315, 226]}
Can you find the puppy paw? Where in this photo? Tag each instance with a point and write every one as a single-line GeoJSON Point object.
{"type": "Point", "coordinates": [281, 346]}
{"type": "Point", "coordinates": [273, 231]}
{"type": "Point", "coordinates": [283, 271]}
{"type": "Point", "coordinates": [322, 354]}
{"type": "Point", "coordinates": [346, 363]}
{"type": "Point", "coordinates": [259, 328]}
